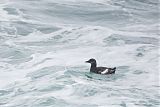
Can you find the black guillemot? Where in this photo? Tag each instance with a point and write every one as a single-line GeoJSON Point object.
{"type": "Point", "coordinates": [100, 70]}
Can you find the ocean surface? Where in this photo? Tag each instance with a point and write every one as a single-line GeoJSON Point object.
{"type": "Point", "coordinates": [44, 45]}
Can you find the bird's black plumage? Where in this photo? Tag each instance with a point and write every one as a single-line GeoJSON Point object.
{"type": "Point", "coordinates": [100, 70]}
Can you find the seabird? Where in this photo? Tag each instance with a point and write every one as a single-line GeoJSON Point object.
{"type": "Point", "coordinates": [100, 70]}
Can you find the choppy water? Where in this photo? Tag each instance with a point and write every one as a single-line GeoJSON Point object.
{"type": "Point", "coordinates": [44, 43]}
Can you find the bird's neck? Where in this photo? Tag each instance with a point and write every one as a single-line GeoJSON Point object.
{"type": "Point", "coordinates": [93, 67]}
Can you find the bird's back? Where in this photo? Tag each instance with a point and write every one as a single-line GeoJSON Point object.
{"type": "Point", "coordinates": [99, 70]}
{"type": "Point", "coordinates": [105, 70]}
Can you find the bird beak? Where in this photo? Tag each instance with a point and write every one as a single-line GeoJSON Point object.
{"type": "Point", "coordinates": [87, 61]}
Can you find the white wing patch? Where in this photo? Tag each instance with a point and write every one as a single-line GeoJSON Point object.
{"type": "Point", "coordinates": [104, 71]}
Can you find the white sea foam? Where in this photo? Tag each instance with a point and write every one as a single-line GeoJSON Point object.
{"type": "Point", "coordinates": [44, 45]}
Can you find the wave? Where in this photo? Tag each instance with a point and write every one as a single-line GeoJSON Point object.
{"type": "Point", "coordinates": [44, 45]}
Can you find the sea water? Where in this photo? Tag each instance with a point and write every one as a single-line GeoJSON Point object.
{"type": "Point", "coordinates": [44, 45]}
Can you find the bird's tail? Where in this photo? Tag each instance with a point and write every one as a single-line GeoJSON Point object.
{"type": "Point", "coordinates": [113, 70]}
